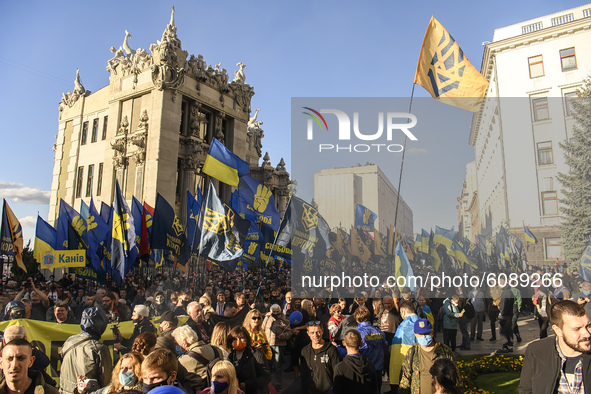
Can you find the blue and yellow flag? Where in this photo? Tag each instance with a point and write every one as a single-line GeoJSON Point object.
{"type": "Point", "coordinates": [364, 218]}
{"type": "Point", "coordinates": [224, 165]}
{"type": "Point", "coordinates": [71, 229]}
{"type": "Point", "coordinates": [425, 237]}
{"type": "Point", "coordinates": [446, 72]}
{"type": "Point", "coordinates": [434, 253]}
{"type": "Point", "coordinates": [11, 236]}
{"type": "Point", "coordinates": [403, 268]}
{"type": "Point", "coordinates": [223, 232]}
{"type": "Point", "coordinates": [256, 200]}
{"type": "Point", "coordinates": [529, 236]}
{"type": "Point", "coordinates": [45, 236]}
{"type": "Point", "coordinates": [123, 249]}
{"type": "Point", "coordinates": [105, 211]}
{"type": "Point", "coordinates": [460, 254]}
{"type": "Point", "coordinates": [444, 237]}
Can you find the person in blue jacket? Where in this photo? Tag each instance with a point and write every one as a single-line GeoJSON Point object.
{"type": "Point", "coordinates": [373, 340]}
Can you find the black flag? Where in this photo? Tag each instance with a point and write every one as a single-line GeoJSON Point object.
{"type": "Point", "coordinates": [223, 232]}
{"type": "Point", "coordinates": [307, 234]}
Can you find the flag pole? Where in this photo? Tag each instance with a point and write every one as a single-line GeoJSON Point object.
{"type": "Point", "coordinates": [271, 252]}
{"type": "Point", "coordinates": [402, 163]}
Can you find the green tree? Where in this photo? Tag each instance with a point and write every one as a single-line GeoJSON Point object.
{"type": "Point", "coordinates": [576, 204]}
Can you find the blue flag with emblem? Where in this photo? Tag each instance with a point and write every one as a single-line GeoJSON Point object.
{"type": "Point", "coordinates": [97, 231]}
{"type": "Point", "coordinates": [193, 207]}
{"type": "Point", "coordinates": [256, 200]}
{"type": "Point", "coordinates": [71, 229]}
{"type": "Point", "coordinates": [585, 264]}
{"type": "Point", "coordinates": [123, 250]}
{"type": "Point", "coordinates": [446, 72]}
{"type": "Point", "coordinates": [168, 232]}
{"type": "Point", "coordinates": [223, 232]}
{"type": "Point", "coordinates": [364, 218]}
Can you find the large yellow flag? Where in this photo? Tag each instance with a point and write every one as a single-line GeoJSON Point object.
{"type": "Point", "coordinates": [446, 72]}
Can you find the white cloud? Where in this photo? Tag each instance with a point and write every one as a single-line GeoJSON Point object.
{"type": "Point", "coordinates": [28, 221]}
{"type": "Point", "coordinates": [17, 192]}
{"type": "Point", "coordinates": [417, 151]}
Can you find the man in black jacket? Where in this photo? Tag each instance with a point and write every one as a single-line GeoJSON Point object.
{"type": "Point", "coordinates": [506, 318]}
{"type": "Point", "coordinates": [561, 363]}
{"type": "Point", "coordinates": [141, 323]}
{"type": "Point", "coordinates": [355, 374]}
{"type": "Point", "coordinates": [318, 360]}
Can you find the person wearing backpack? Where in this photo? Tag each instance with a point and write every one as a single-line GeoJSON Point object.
{"type": "Point", "coordinates": [197, 358]}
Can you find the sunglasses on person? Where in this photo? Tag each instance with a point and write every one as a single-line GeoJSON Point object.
{"type": "Point", "coordinates": [314, 323]}
{"type": "Point", "coordinates": [256, 318]}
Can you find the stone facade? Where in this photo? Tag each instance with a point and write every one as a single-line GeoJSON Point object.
{"type": "Point", "coordinates": [151, 127]}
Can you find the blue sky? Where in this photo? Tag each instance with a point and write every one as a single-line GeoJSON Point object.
{"type": "Point", "coordinates": [291, 49]}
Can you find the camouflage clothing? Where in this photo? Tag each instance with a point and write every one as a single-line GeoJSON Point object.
{"type": "Point", "coordinates": [410, 381]}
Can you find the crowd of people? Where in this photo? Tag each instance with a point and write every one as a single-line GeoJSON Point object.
{"type": "Point", "coordinates": [244, 332]}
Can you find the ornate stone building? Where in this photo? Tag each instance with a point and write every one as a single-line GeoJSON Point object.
{"type": "Point", "coordinates": [151, 128]}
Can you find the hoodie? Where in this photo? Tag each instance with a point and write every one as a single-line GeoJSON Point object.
{"type": "Point", "coordinates": [356, 374]}
{"type": "Point", "coordinates": [317, 368]}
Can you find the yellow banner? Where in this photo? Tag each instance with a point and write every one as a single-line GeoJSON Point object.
{"type": "Point", "coordinates": [50, 337]}
{"type": "Point", "coordinates": [64, 259]}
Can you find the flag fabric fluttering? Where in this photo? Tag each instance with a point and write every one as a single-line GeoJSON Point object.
{"type": "Point", "coordinates": [257, 201]}
{"type": "Point", "coordinates": [364, 218]}
{"type": "Point", "coordinates": [45, 236]}
{"type": "Point", "coordinates": [403, 268]}
{"type": "Point", "coordinates": [446, 73]}
{"type": "Point", "coordinates": [193, 207]}
{"type": "Point", "coordinates": [168, 232]}
{"type": "Point", "coordinates": [224, 165]}
{"type": "Point", "coordinates": [223, 232]}
{"type": "Point", "coordinates": [529, 236]}
{"type": "Point", "coordinates": [444, 237]}
{"type": "Point", "coordinates": [71, 229]}
{"type": "Point", "coordinates": [11, 236]}
{"type": "Point", "coordinates": [97, 230]}
{"type": "Point", "coordinates": [358, 247]}
{"type": "Point", "coordinates": [123, 235]}
{"type": "Point", "coordinates": [306, 232]}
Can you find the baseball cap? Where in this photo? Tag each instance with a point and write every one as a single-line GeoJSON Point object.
{"type": "Point", "coordinates": [142, 310]}
{"type": "Point", "coordinates": [169, 316]}
{"type": "Point", "coordinates": [423, 326]}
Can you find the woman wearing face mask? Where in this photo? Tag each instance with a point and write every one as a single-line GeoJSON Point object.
{"type": "Point", "coordinates": [223, 380]}
{"type": "Point", "coordinates": [126, 374]}
{"type": "Point", "coordinates": [250, 364]}
{"type": "Point", "coordinates": [415, 377]}
{"type": "Point", "coordinates": [278, 331]}
{"type": "Point", "coordinates": [253, 323]}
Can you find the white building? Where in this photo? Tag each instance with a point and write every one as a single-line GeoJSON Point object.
{"type": "Point", "coordinates": [337, 192]}
{"type": "Point", "coordinates": [534, 68]}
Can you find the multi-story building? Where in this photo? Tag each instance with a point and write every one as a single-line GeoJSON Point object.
{"type": "Point", "coordinates": [534, 68]}
{"type": "Point", "coordinates": [151, 127]}
{"type": "Point", "coordinates": [337, 192]}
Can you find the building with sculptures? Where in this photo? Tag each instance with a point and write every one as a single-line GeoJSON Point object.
{"type": "Point", "coordinates": [151, 127]}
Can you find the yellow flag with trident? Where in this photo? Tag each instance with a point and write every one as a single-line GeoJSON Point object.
{"type": "Point", "coordinates": [446, 72]}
